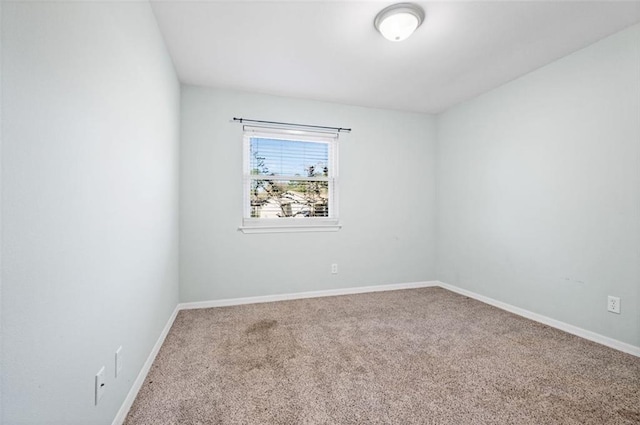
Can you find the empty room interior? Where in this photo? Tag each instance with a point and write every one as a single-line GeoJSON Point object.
{"type": "Point", "coordinates": [320, 212]}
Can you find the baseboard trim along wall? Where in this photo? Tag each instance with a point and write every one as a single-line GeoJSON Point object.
{"type": "Point", "coordinates": [574, 330]}
{"type": "Point", "coordinates": [302, 295]}
{"type": "Point", "coordinates": [135, 388]}
{"type": "Point", "coordinates": [137, 384]}
{"type": "Point", "coordinates": [583, 333]}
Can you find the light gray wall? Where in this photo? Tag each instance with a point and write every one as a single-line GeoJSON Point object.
{"type": "Point", "coordinates": [1, 332]}
{"type": "Point", "coordinates": [386, 201]}
{"type": "Point", "coordinates": [89, 204]}
{"type": "Point", "coordinates": [539, 190]}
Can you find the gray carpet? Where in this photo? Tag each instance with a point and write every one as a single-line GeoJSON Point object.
{"type": "Point", "coordinates": [419, 356]}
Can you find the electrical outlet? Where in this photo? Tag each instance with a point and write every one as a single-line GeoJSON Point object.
{"type": "Point", "coordinates": [613, 304]}
{"type": "Point", "coordinates": [100, 384]}
{"type": "Point", "coordinates": [118, 367]}
{"type": "Point", "coordinates": [334, 269]}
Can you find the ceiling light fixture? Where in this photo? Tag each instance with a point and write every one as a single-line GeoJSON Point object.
{"type": "Point", "coordinates": [398, 21]}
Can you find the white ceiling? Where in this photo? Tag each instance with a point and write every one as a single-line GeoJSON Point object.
{"type": "Point", "coordinates": [329, 50]}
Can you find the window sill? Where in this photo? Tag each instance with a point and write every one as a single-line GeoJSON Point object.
{"type": "Point", "coordinates": [290, 228]}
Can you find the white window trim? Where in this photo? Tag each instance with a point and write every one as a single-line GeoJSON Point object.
{"type": "Point", "coordinates": [288, 225]}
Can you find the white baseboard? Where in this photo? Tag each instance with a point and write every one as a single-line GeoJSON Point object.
{"type": "Point", "coordinates": [133, 392]}
{"type": "Point", "coordinates": [583, 333]}
{"type": "Point", "coordinates": [135, 388]}
{"type": "Point", "coordinates": [300, 295]}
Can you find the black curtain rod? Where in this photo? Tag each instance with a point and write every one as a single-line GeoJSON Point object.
{"type": "Point", "coordinates": [319, 127]}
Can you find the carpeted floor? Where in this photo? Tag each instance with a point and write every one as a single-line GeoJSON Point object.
{"type": "Point", "coordinates": [419, 356]}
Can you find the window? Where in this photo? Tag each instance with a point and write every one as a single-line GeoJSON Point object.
{"type": "Point", "coordinates": [290, 180]}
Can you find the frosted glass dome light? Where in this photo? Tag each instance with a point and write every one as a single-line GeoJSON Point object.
{"type": "Point", "coordinates": [397, 22]}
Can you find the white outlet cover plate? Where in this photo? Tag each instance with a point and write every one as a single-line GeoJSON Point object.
{"type": "Point", "coordinates": [100, 384]}
{"type": "Point", "coordinates": [613, 304]}
{"type": "Point", "coordinates": [119, 360]}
